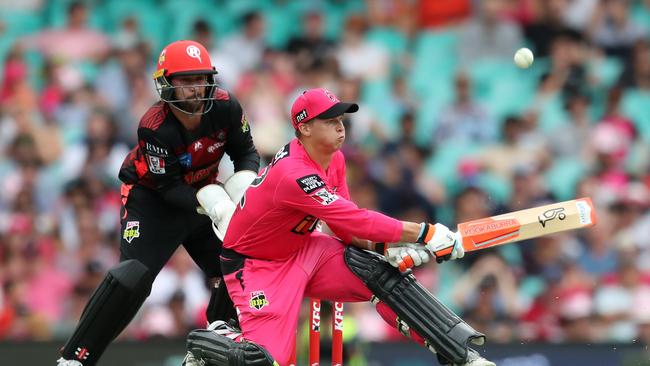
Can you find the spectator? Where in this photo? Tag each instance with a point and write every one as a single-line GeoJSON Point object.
{"type": "Point", "coordinates": [622, 292]}
{"type": "Point", "coordinates": [570, 139]}
{"type": "Point", "coordinates": [249, 45]}
{"type": "Point", "coordinates": [612, 29]}
{"type": "Point", "coordinates": [488, 292]}
{"type": "Point", "coordinates": [487, 37]}
{"type": "Point", "coordinates": [358, 58]}
{"type": "Point", "coordinates": [464, 120]}
{"type": "Point", "coordinates": [312, 44]}
{"type": "Point", "coordinates": [75, 42]}
{"type": "Point", "coordinates": [636, 73]}
{"type": "Point", "coordinates": [548, 24]}
{"type": "Point", "coordinates": [503, 159]}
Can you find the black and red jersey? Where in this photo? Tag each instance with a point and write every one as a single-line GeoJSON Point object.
{"type": "Point", "coordinates": [177, 162]}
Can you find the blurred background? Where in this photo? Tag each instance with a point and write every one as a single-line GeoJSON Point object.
{"type": "Point", "coordinates": [449, 130]}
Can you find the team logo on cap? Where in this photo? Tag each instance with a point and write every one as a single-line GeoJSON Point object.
{"type": "Point", "coordinates": [330, 95]}
{"type": "Point", "coordinates": [161, 58]}
{"type": "Point", "coordinates": [194, 52]}
{"type": "Point", "coordinates": [300, 116]}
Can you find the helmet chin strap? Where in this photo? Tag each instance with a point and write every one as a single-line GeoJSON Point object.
{"type": "Point", "coordinates": [163, 84]}
{"type": "Point", "coordinates": [206, 110]}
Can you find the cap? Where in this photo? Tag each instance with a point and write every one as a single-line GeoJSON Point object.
{"type": "Point", "coordinates": [318, 103]}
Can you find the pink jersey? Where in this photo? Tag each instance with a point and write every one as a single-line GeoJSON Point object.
{"type": "Point", "coordinates": [284, 204]}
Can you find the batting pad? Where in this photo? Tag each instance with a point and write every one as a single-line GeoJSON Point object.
{"type": "Point", "coordinates": [110, 308]}
{"type": "Point", "coordinates": [417, 307]}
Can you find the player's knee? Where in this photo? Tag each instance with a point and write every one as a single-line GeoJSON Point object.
{"type": "Point", "coordinates": [282, 358]}
{"type": "Point", "coordinates": [134, 276]}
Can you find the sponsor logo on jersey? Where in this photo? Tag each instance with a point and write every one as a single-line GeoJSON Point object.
{"type": "Point", "coordinates": [244, 123]}
{"type": "Point", "coordinates": [156, 164]}
{"type": "Point", "coordinates": [324, 197]}
{"type": "Point", "coordinates": [131, 231]}
{"type": "Point", "coordinates": [185, 160]}
{"type": "Point", "coordinates": [155, 150]}
{"type": "Point", "coordinates": [310, 183]}
{"type": "Point", "coordinates": [258, 300]}
{"type": "Point", "coordinates": [214, 147]}
{"type": "Point", "coordinates": [201, 174]}
{"type": "Point", "coordinates": [197, 146]}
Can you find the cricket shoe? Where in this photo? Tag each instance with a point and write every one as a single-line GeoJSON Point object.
{"type": "Point", "coordinates": [63, 362]}
{"type": "Point", "coordinates": [474, 359]}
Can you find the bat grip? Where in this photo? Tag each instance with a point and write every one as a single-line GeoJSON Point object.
{"type": "Point", "coordinates": [405, 264]}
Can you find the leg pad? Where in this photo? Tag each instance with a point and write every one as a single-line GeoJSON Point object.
{"type": "Point", "coordinates": [417, 307]}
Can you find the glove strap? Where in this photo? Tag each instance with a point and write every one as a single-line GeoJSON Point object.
{"type": "Point", "coordinates": [426, 233]}
{"type": "Point", "coordinates": [380, 248]}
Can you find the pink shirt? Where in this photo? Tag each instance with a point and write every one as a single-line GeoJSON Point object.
{"type": "Point", "coordinates": [284, 204]}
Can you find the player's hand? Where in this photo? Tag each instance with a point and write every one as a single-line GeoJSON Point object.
{"type": "Point", "coordinates": [406, 255]}
{"type": "Point", "coordinates": [216, 203]}
{"type": "Point", "coordinates": [443, 243]}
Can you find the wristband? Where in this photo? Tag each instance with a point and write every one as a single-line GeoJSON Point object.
{"type": "Point", "coordinates": [424, 230]}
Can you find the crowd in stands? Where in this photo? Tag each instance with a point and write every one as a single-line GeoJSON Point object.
{"type": "Point", "coordinates": [449, 130]}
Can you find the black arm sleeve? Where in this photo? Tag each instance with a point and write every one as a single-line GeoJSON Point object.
{"type": "Point", "coordinates": [165, 171]}
{"type": "Point", "coordinates": [240, 145]}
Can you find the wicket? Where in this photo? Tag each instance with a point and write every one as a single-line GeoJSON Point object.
{"type": "Point", "coordinates": [314, 334]}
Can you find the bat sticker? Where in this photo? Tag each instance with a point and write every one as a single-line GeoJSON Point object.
{"type": "Point", "coordinates": [551, 214]}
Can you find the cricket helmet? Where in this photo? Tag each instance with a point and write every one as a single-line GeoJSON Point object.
{"type": "Point", "coordinates": [184, 58]}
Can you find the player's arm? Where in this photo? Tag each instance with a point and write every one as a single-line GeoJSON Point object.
{"type": "Point", "coordinates": [242, 152]}
{"type": "Point", "coordinates": [165, 171]}
{"type": "Point", "coordinates": [410, 233]}
{"type": "Point", "coordinates": [352, 224]}
{"type": "Point", "coordinates": [239, 145]}
{"type": "Point", "coordinates": [308, 193]}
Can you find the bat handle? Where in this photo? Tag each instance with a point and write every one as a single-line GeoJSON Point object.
{"type": "Point", "coordinates": [406, 264]}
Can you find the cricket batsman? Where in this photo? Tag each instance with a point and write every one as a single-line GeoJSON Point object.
{"type": "Point", "coordinates": [170, 196]}
{"type": "Point", "coordinates": [273, 255]}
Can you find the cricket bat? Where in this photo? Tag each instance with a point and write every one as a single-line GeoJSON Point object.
{"type": "Point", "coordinates": [524, 224]}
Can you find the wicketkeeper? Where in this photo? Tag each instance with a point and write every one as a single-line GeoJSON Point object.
{"type": "Point", "coordinates": [173, 169]}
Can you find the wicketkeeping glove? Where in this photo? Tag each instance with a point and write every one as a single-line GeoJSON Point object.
{"type": "Point", "coordinates": [216, 203]}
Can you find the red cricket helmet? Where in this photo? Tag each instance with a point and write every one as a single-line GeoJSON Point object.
{"type": "Point", "coordinates": [182, 58]}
